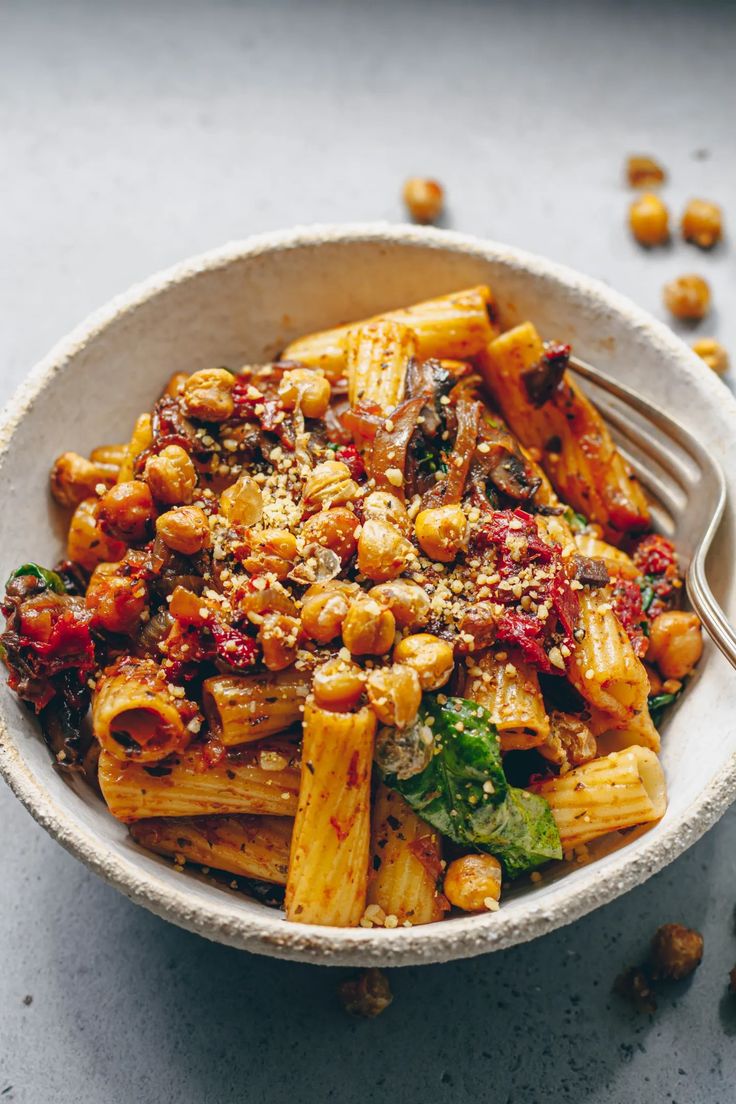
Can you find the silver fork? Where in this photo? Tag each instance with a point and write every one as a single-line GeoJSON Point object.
{"type": "Point", "coordinates": [685, 482]}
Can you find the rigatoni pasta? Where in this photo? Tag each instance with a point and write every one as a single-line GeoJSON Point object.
{"type": "Point", "coordinates": [368, 622]}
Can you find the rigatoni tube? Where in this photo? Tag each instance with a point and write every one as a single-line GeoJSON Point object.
{"type": "Point", "coordinates": [241, 708]}
{"type": "Point", "coordinates": [136, 717]}
{"type": "Point", "coordinates": [617, 791]}
{"type": "Point", "coordinates": [456, 326]}
{"type": "Point", "coordinates": [406, 862]}
{"type": "Point", "coordinates": [328, 867]}
{"type": "Point", "coordinates": [251, 846]}
{"type": "Point", "coordinates": [377, 355]}
{"type": "Point", "coordinates": [263, 780]}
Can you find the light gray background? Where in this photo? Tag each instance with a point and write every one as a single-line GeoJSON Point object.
{"type": "Point", "coordinates": [133, 134]}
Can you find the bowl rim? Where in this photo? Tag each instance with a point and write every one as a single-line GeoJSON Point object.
{"type": "Point", "coordinates": [224, 920]}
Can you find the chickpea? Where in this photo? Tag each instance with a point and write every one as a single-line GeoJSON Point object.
{"type": "Point", "coordinates": [86, 543]}
{"type": "Point", "coordinates": [109, 454]}
{"type": "Point", "coordinates": [242, 503]}
{"type": "Point", "coordinates": [675, 643]}
{"type": "Point", "coordinates": [334, 529]}
{"type": "Point", "coordinates": [270, 551]}
{"type": "Point", "coordinates": [441, 532]}
{"type": "Point", "coordinates": [171, 476]}
{"type": "Point", "coordinates": [649, 220]}
{"type": "Point", "coordinates": [278, 637]}
{"type": "Point", "coordinates": [687, 297]}
{"type": "Point", "coordinates": [116, 600]}
{"type": "Point", "coordinates": [307, 389]}
{"type": "Point", "coordinates": [394, 694]}
{"type": "Point", "coordinates": [184, 529]}
{"type": "Point", "coordinates": [424, 198]}
{"type": "Point", "coordinates": [407, 601]}
{"type": "Point", "coordinates": [207, 395]}
{"type": "Point", "coordinates": [338, 685]}
{"type": "Point", "coordinates": [675, 952]}
{"type": "Point", "coordinates": [384, 506]}
{"type": "Point", "coordinates": [74, 478]}
{"type": "Point", "coordinates": [702, 223]}
{"type": "Point", "coordinates": [323, 612]}
{"type": "Point", "coordinates": [368, 628]}
{"type": "Point", "coordinates": [382, 551]}
{"type": "Point", "coordinates": [713, 353]}
{"type": "Point", "coordinates": [175, 386]}
{"type": "Point", "coordinates": [431, 658]}
{"type": "Point", "coordinates": [126, 511]}
{"type": "Point", "coordinates": [473, 882]}
{"type": "Point", "coordinates": [644, 172]}
{"type": "Point", "coordinates": [330, 484]}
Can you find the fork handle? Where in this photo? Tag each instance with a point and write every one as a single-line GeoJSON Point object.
{"type": "Point", "coordinates": [715, 622]}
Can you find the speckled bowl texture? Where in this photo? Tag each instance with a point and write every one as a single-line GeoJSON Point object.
{"type": "Point", "coordinates": [242, 303]}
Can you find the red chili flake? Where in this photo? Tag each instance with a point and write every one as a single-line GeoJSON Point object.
{"type": "Point", "coordinates": [340, 832]}
{"type": "Point", "coordinates": [354, 461]}
{"type": "Point", "coordinates": [353, 775]}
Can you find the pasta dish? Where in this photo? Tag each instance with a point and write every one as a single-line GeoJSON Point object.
{"type": "Point", "coordinates": [368, 632]}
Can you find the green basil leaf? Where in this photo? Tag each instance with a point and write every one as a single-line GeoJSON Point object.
{"type": "Point", "coordinates": [50, 578]}
{"type": "Point", "coordinates": [463, 791]}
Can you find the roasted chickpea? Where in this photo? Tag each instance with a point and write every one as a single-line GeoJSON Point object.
{"type": "Point", "coordinates": [338, 685]}
{"type": "Point", "coordinates": [394, 694]}
{"type": "Point", "coordinates": [87, 544]}
{"type": "Point", "coordinates": [687, 297]}
{"type": "Point", "coordinates": [116, 599]}
{"type": "Point", "coordinates": [270, 551]}
{"type": "Point", "coordinates": [307, 389]}
{"type": "Point", "coordinates": [713, 353]}
{"type": "Point", "coordinates": [473, 883]}
{"type": "Point", "coordinates": [675, 643]}
{"type": "Point", "coordinates": [184, 529]}
{"type": "Point", "coordinates": [382, 551]}
{"type": "Point", "coordinates": [324, 608]}
{"type": "Point", "coordinates": [424, 198]}
{"type": "Point", "coordinates": [242, 503]}
{"type": "Point", "coordinates": [330, 484]}
{"type": "Point", "coordinates": [109, 454]}
{"type": "Point", "coordinates": [207, 395]}
{"type": "Point", "coordinates": [126, 511]}
{"type": "Point", "coordinates": [431, 658]}
{"type": "Point", "coordinates": [407, 601]}
{"type": "Point", "coordinates": [384, 506]}
{"type": "Point", "coordinates": [675, 952]}
{"type": "Point", "coordinates": [171, 476]}
{"type": "Point", "coordinates": [334, 529]}
{"type": "Point", "coordinates": [644, 172]}
{"type": "Point", "coordinates": [368, 628]}
{"type": "Point", "coordinates": [441, 532]}
{"type": "Point", "coordinates": [278, 637]}
{"type": "Point", "coordinates": [649, 220]}
{"type": "Point", "coordinates": [74, 478]}
{"type": "Point", "coordinates": [702, 223]}
{"type": "Point", "coordinates": [175, 386]}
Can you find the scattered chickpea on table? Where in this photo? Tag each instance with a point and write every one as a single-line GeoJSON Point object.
{"type": "Point", "coordinates": [424, 198]}
{"type": "Point", "coordinates": [687, 297]}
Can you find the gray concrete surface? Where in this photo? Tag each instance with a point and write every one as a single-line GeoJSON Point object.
{"type": "Point", "coordinates": [134, 134]}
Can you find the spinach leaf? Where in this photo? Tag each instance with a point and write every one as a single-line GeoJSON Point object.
{"type": "Point", "coordinates": [646, 586]}
{"type": "Point", "coordinates": [463, 791]}
{"type": "Point", "coordinates": [577, 522]}
{"type": "Point", "coordinates": [50, 578]}
{"type": "Point", "coordinates": [659, 703]}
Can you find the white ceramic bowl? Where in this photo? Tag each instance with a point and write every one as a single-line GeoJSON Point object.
{"type": "Point", "coordinates": [243, 303]}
